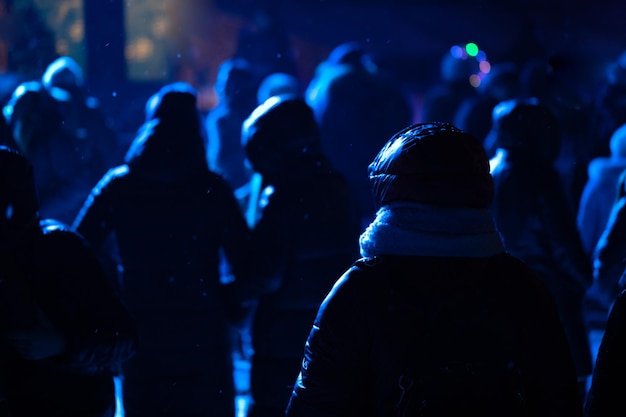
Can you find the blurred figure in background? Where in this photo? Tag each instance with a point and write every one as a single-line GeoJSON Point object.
{"type": "Point", "coordinates": [277, 84]}
{"type": "Point", "coordinates": [64, 135]}
{"type": "Point", "coordinates": [236, 87]}
{"type": "Point", "coordinates": [181, 238]}
{"type": "Point", "coordinates": [609, 256]}
{"type": "Point", "coordinates": [303, 237]}
{"type": "Point", "coordinates": [442, 100]}
{"type": "Point", "coordinates": [534, 217]}
{"type": "Point", "coordinates": [64, 330]}
{"type": "Point", "coordinates": [355, 106]}
{"type": "Point", "coordinates": [600, 191]}
{"type": "Point", "coordinates": [474, 115]}
{"type": "Point", "coordinates": [609, 107]}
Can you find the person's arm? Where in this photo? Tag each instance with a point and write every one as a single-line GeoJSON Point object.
{"type": "Point", "coordinates": [93, 220]}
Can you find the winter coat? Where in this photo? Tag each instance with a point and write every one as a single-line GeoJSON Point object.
{"type": "Point", "coordinates": [606, 393]}
{"type": "Point", "coordinates": [597, 199]}
{"type": "Point", "coordinates": [172, 219]}
{"type": "Point", "coordinates": [369, 332]}
{"type": "Point", "coordinates": [52, 271]}
{"type": "Point", "coordinates": [305, 238]}
{"type": "Point", "coordinates": [533, 216]}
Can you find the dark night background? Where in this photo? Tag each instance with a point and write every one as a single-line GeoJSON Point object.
{"type": "Point", "coordinates": [129, 48]}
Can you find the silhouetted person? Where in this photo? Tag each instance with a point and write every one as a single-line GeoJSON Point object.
{"type": "Point", "coordinates": [533, 215]}
{"type": "Point", "coordinates": [64, 331]}
{"type": "Point", "coordinates": [442, 100]}
{"type": "Point", "coordinates": [606, 393]}
{"type": "Point", "coordinates": [82, 116]}
{"type": "Point", "coordinates": [474, 114]}
{"type": "Point", "coordinates": [435, 319]}
{"type": "Point", "coordinates": [304, 236]}
{"type": "Point", "coordinates": [546, 80]}
{"type": "Point", "coordinates": [171, 219]}
{"type": "Point", "coordinates": [64, 135]}
{"type": "Point", "coordinates": [355, 106]}
{"type": "Point", "coordinates": [236, 87]}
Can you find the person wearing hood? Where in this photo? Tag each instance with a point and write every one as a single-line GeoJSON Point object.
{"type": "Point", "coordinates": [375, 348]}
{"type": "Point", "coordinates": [534, 217]}
{"type": "Point", "coordinates": [64, 330]}
{"type": "Point", "coordinates": [304, 232]}
{"type": "Point", "coordinates": [64, 134]}
{"type": "Point", "coordinates": [600, 191]}
{"type": "Point", "coordinates": [171, 220]}
{"type": "Point", "coordinates": [356, 104]}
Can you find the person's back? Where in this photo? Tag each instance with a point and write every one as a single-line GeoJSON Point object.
{"type": "Point", "coordinates": [533, 215]}
{"type": "Point", "coordinates": [171, 216]}
{"type": "Point", "coordinates": [389, 339]}
{"type": "Point", "coordinates": [65, 332]}
{"type": "Point", "coordinates": [66, 165]}
{"type": "Point", "coordinates": [303, 239]}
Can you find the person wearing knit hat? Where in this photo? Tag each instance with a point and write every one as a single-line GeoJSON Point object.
{"type": "Point", "coordinates": [435, 310]}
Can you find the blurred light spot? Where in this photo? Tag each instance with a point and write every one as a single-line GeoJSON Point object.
{"type": "Point", "coordinates": [471, 48]}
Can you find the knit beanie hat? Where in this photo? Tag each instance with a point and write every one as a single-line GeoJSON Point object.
{"type": "Point", "coordinates": [432, 163]}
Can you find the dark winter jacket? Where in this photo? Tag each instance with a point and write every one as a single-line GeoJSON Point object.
{"type": "Point", "coordinates": [531, 212]}
{"type": "Point", "coordinates": [171, 219]}
{"type": "Point", "coordinates": [52, 271]}
{"type": "Point", "coordinates": [606, 394]}
{"type": "Point", "coordinates": [370, 339]}
{"type": "Point", "coordinates": [304, 240]}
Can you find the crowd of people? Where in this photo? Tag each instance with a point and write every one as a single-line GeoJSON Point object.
{"type": "Point", "coordinates": [365, 256]}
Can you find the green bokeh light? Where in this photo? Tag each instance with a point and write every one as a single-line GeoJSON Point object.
{"type": "Point", "coordinates": [471, 48]}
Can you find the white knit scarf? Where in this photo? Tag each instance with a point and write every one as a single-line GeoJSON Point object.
{"type": "Point", "coordinates": [425, 230]}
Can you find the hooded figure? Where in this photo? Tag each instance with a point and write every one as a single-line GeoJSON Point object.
{"type": "Point", "coordinates": [305, 230]}
{"type": "Point", "coordinates": [64, 135]}
{"type": "Point", "coordinates": [236, 88]}
{"type": "Point", "coordinates": [355, 105]}
{"type": "Point", "coordinates": [533, 214]}
{"type": "Point", "coordinates": [170, 218]}
{"type": "Point", "coordinates": [600, 191]}
{"type": "Point", "coordinates": [65, 332]}
{"type": "Point", "coordinates": [376, 347]}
